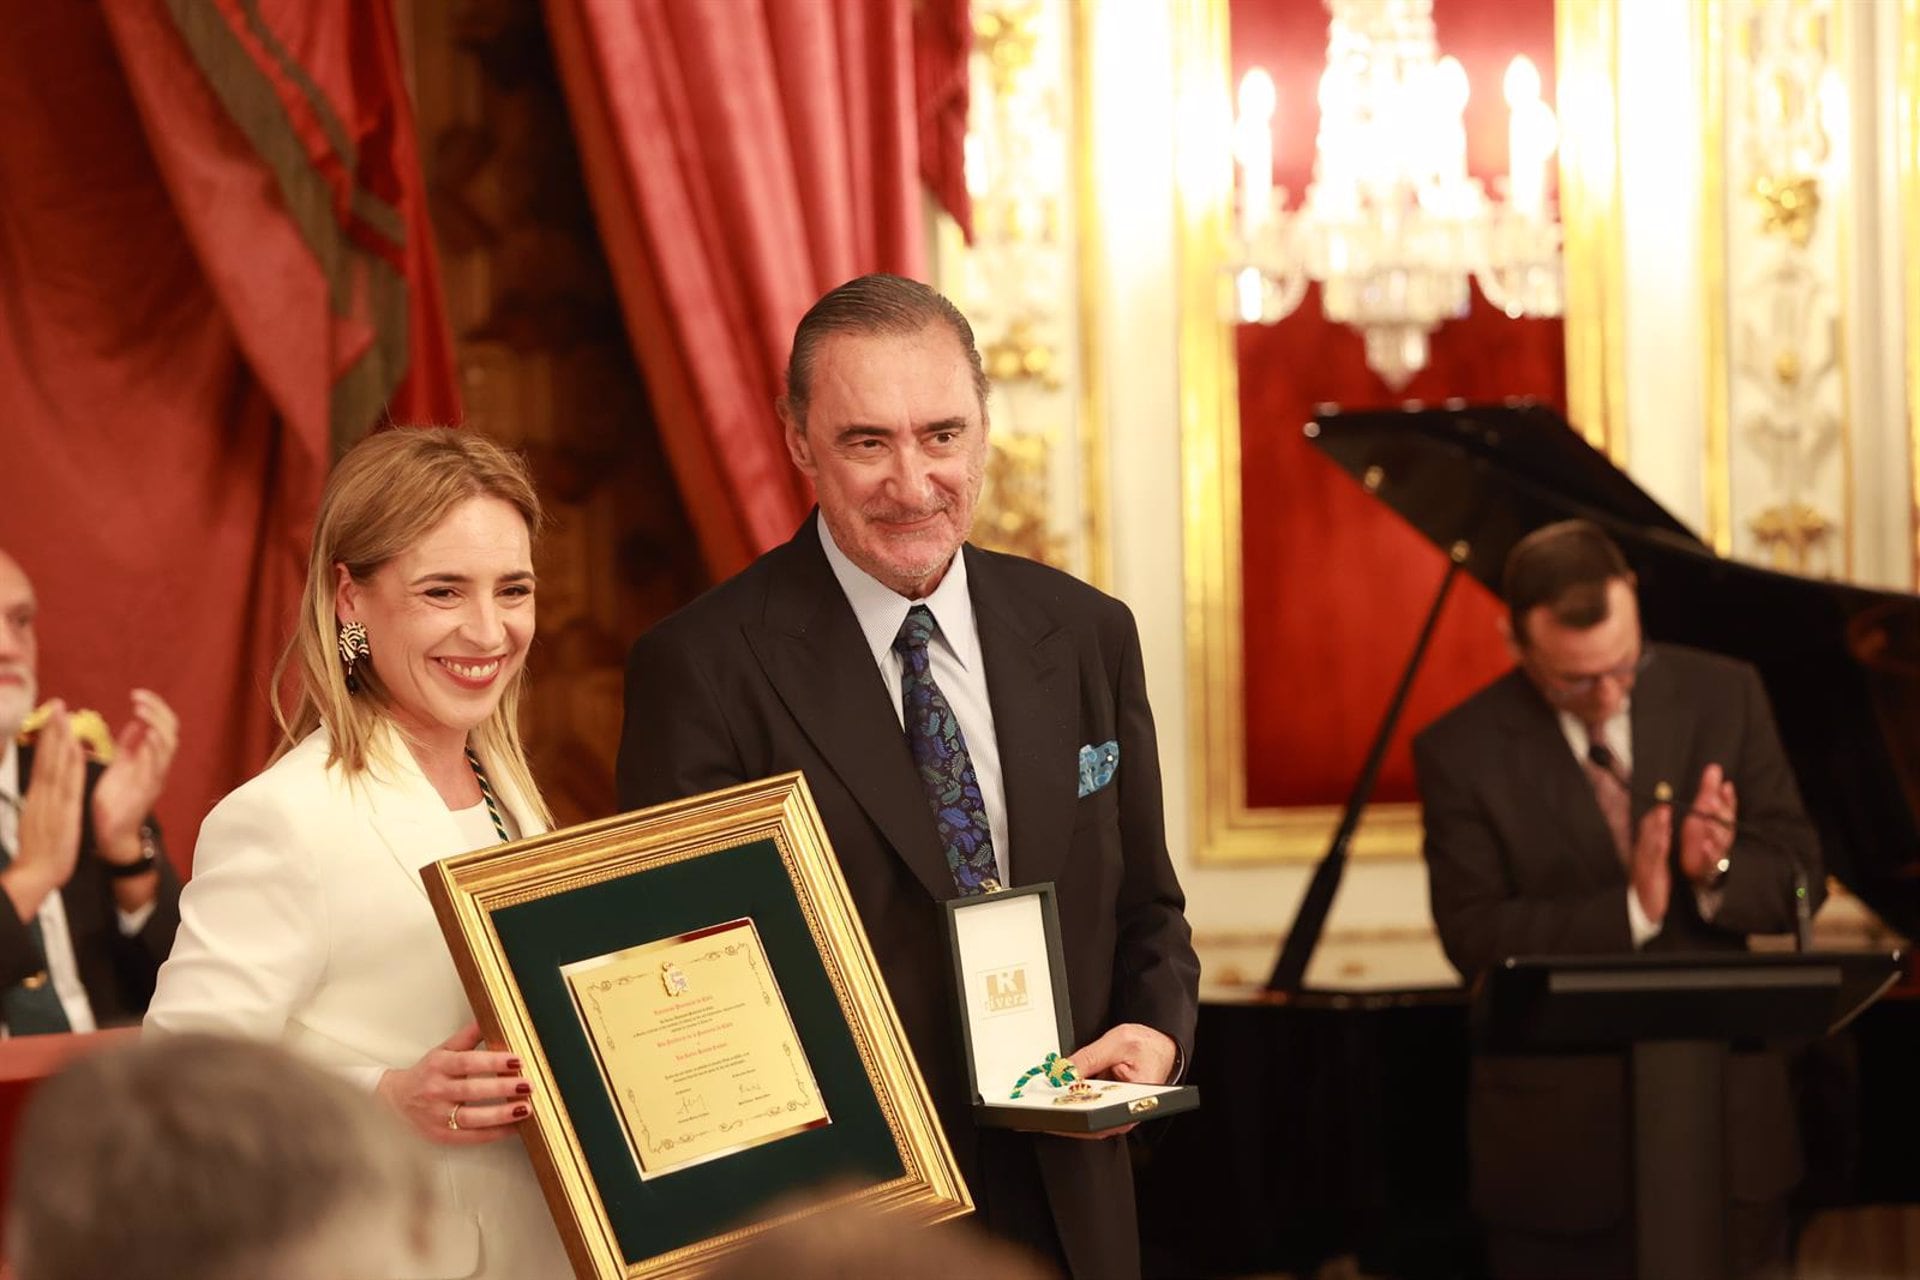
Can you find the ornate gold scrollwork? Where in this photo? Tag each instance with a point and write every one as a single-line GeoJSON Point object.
{"type": "Point", "coordinates": [1014, 508]}
{"type": "Point", "coordinates": [1785, 389]}
{"type": "Point", "coordinates": [1790, 204]}
{"type": "Point", "coordinates": [1790, 533]}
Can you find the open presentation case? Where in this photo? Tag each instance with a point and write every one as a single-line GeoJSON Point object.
{"type": "Point", "coordinates": [1013, 1000]}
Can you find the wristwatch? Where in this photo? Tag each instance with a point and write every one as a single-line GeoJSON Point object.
{"type": "Point", "coordinates": [148, 860]}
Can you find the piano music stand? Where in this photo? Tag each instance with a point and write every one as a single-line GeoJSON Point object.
{"type": "Point", "coordinates": [1676, 1017]}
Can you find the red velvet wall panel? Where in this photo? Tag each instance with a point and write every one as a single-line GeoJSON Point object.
{"type": "Point", "coordinates": [1335, 585]}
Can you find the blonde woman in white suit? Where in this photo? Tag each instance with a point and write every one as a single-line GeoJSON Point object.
{"type": "Point", "coordinates": [305, 921]}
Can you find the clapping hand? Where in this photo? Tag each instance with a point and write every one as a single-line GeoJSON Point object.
{"type": "Point", "coordinates": [49, 817]}
{"type": "Point", "coordinates": [130, 786]}
{"type": "Point", "coordinates": [1651, 874]}
{"type": "Point", "coordinates": [1707, 833]}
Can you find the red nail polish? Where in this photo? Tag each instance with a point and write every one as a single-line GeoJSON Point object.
{"type": "Point", "coordinates": [513, 1064]}
{"type": "Point", "coordinates": [520, 1112]}
{"type": "Point", "coordinates": [523, 1089]}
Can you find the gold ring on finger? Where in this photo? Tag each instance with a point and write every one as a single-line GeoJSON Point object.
{"type": "Point", "coordinates": [453, 1116]}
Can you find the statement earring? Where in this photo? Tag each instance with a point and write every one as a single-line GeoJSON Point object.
{"type": "Point", "coordinates": [352, 641]}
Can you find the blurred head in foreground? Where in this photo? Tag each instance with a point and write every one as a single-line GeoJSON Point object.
{"type": "Point", "coordinates": [201, 1158]}
{"type": "Point", "coordinates": [854, 1242]}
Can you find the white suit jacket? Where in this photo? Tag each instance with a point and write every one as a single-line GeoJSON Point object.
{"type": "Point", "coordinates": [306, 922]}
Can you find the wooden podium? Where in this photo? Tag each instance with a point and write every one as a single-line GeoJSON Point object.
{"type": "Point", "coordinates": [1676, 1018]}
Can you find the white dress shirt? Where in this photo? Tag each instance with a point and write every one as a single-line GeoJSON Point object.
{"type": "Point", "coordinates": [1617, 734]}
{"type": "Point", "coordinates": [959, 668]}
{"type": "Point", "coordinates": [63, 969]}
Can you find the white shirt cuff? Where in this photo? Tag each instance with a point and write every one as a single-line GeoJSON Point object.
{"type": "Point", "coordinates": [1708, 901]}
{"type": "Point", "coordinates": [132, 922]}
{"type": "Point", "coordinates": [1643, 927]}
{"type": "Point", "coordinates": [366, 1079]}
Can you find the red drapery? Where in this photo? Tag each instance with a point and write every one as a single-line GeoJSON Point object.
{"type": "Point", "coordinates": [942, 40]}
{"type": "Point", "coordinates": [743, 156]}
{"type": "Point", "coordinates": [1334, 584]}
{"type": "Point", "coordinates": [214, 259]}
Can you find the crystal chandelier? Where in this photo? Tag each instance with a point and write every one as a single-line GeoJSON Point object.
{"type": "Point", "coordinates": [1392, 227]}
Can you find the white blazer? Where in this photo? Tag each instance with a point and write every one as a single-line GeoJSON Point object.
{"type": "Point", "coordinates": [306, 922]}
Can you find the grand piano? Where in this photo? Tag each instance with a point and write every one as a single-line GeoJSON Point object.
{"type": "Point", "coordinates": [1335, 1123]}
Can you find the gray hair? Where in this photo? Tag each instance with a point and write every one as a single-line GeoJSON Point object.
{"type": "Point", "coordinates": [873, 304]}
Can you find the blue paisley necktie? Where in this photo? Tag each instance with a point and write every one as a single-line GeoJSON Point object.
{"type": "Point", "coordinates": [940, 753]}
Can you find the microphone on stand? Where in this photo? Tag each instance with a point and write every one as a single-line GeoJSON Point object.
{"type": "Point", "coordinates": [1601, 757]}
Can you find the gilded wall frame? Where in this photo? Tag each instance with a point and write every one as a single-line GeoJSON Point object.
{"type": "Point", "coordinates": [517, 917]}
{"type": "Point", "coordinates": [1225, 829]}
{"type": "Point", "coordinates": [1907, 133]}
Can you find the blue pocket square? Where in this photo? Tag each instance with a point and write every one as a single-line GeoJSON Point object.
{"type": "Point", "coordinates": [1097, 765]}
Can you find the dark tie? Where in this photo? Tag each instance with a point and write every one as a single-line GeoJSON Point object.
{"type": "Point", "coordinates": [31, 1007]}
{"type": "Point", "coordinates": [940, 753]}
{"type": "Point", "coordinates": [1610, 782]}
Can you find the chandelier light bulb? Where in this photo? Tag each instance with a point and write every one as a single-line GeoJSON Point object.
{"type": "Point", "coordinates": [1522, 82]}
{"type": "Point", "coordinates": [1257, 97]}
{"type": "Point", "coordinates": [1336, 93]}
{"type": "Point", "coordinates": [1450, 88]}
{"type": "Point", "coordinates": [1253, 151]}
{"type": "Point", "coordinates": [1393, 228]}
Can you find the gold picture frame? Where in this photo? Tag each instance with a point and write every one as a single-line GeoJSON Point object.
{"type": "Point", "coordinates": [516, 915]}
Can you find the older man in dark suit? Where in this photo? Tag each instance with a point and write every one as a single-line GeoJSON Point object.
{"type": "Point", "coordinates": [1548, 833]}
{"type": "Point", "coordinates": [941, 701]}
{"type": "Point", "coordinates": [88, 901]}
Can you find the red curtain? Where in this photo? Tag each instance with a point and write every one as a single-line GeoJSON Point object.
{"type": "Point", "coordinates": [942, 41]}
{"type": "Point", "coordinates": [1334, 584]}
{"type": "Point", "coordinates": [744, 156]}
{"type": "Point", "coordinates": [214, 261]}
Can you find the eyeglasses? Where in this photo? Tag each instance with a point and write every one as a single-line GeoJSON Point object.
{"type": "Point", "coordinates": [1580, 686]}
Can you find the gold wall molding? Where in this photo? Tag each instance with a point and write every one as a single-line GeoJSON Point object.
{"type": "Point", "coordinates": [1592, 218]}
{"type": "Point", "coordinates": [1776, 252]}
{"type": "Point", "coordinates": [1095, 493]}
{"type": "Point", "coordinates": [1028, 283]}
{"type": "Point", "coordinates": [1718, 471]}
{"type": "Point", "coordinates": [1019, 520]}
{"type": "Point", "coordinates": [1224, 828]}
{"type": "Point", "coordinates": [1907, 134]}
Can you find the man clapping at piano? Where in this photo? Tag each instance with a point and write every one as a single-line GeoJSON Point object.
{"type": "Point", "coordinates": [88, 901]}
{"type": "Point", "coordinates": [1606, 795]}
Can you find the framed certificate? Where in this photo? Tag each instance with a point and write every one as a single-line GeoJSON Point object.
{"type": "Point", "coordinates": [1013, 1001]}
{"type": "Point", "coordinates": [705, 1028]}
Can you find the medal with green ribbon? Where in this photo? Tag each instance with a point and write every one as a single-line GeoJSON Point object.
{"type": "Point", "coordinates": [1058, 1071]}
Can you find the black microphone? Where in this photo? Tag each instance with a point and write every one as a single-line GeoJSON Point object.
{"type": "Point", "coordinates": [1601, 757]}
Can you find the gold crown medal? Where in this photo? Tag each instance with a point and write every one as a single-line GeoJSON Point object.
{"type": "Point", "coordinates": [89, 726]}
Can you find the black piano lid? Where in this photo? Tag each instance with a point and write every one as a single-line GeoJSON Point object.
{"type": "Point", "coordinates": [1841, 663]}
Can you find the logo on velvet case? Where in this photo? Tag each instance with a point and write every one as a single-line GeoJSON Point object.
{"type": "Point", "coordinates": [1007, 989]}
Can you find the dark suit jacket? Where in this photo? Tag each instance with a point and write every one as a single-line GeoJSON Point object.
{"type": "Point", "coordinates": [118, 971]}
{"type": "Point", "coordinates": [1520, 863]}
{"type": "Point", "coordinates": [769, 672]}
